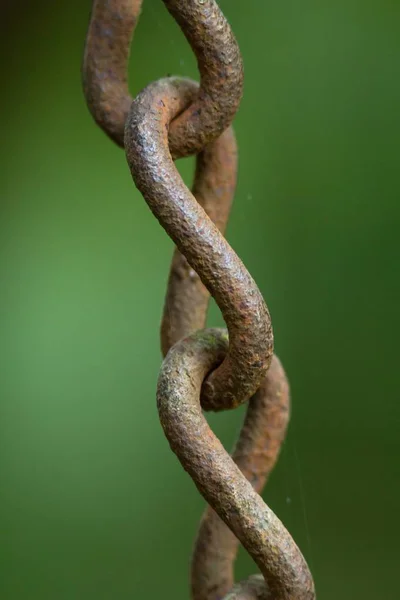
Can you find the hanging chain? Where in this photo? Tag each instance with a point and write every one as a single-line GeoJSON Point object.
{"type": "Point", "coordinates": [170, 119]}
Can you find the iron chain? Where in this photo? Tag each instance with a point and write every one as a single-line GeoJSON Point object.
{"type": "Point", "coordinates": [170, 119]}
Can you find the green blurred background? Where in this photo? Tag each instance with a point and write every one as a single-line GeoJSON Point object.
{"type": "Point", "coordinates": [93, 505]}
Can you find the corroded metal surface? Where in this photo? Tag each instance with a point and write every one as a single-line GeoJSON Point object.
{"type": "Point", "coordinates": [198, 238]}
{"type": "Point", "coordinates": [255, 454]}
{"type": "Point", "coordinates": [170, 119]}
{"type": "Point", "coordinates": [105, 70]}
{"type": "Point", "coordinates": [105, 63]}
{"type": "Point", "coordinates": [187, 298]}
{"type": "Point", "coordinates": [215, 474]}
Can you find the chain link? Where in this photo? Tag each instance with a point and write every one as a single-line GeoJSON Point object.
{"type": "Point", "coordinates": [170, 119]}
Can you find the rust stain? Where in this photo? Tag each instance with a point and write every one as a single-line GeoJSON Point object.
{"type": "Point", "coordinates": [204, 368]}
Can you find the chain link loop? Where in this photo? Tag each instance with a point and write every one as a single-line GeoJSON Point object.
{"type": "Point", "coordinates": [170, 119]}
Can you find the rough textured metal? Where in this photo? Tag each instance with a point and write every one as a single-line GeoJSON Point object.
{"type": "Point", "coordinates": [196, 236]}
{"type": "Point", "coordinates": [105, 70]}
{"type": "Point", "coordinates": [170, 119]}
{"type": "Point", "coordinates": [265, 425]}
{"type": "Point", "coordinates": [214, 472]}
{"type": "Point", "coordinates": [105, 63]}
{"type": "Point", "coordinates": [255, 454]}
{"type": "Point", "coordinates": [187, 299]}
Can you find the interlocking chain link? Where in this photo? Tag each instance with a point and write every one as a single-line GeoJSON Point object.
{"type": "Point", "coordinates": [169, 119]}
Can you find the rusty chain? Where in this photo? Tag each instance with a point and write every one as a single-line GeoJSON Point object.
{"type": "Point", "coordinates": [170, 119]}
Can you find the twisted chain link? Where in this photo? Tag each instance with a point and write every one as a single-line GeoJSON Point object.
{"type": "Point", "coordinates": [170, 119]}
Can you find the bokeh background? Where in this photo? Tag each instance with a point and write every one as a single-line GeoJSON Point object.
{"type": "Point", "coordinates": [93, 505]}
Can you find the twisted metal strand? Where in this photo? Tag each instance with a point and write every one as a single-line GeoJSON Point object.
{"type": "Point", "coordinates": [266, 420]}
{"type": "Point", "coordinates": [215, 474]}
{"type": "Point", "coordinates": [187, 298]}
{"type": "Point", "coordinates": [255, 454]}
{"type": "Point", "coordinates": [105, 70]}
{"type": "Point", "coordinates": [194, 120]}
{"type": "Point", "coordinates": [105, 63]}
{"type": "Point", "coordinates": [209, 112]}
{"type": "Point", "coordinates": [258, 447]}
{"type": "Point", "coordinates": [196, 236]}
